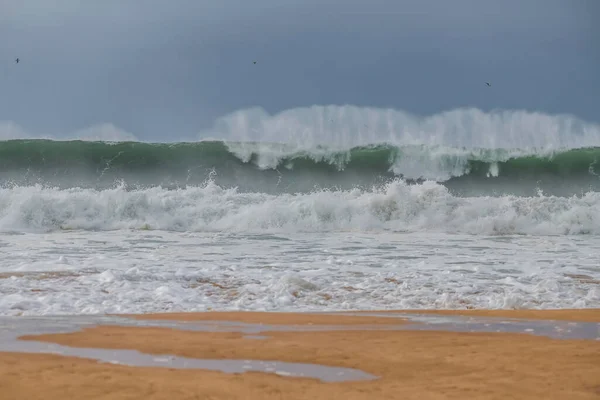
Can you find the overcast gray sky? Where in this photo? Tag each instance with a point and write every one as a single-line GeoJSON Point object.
{"type": "Point", "coordinates": [160, 68]}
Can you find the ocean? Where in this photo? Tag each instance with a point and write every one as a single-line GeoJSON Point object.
{"type": "Point", "coordinates": [90, 227]}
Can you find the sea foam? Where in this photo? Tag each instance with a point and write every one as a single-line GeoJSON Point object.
{"type": "Point", "coordinates": [395, 206]}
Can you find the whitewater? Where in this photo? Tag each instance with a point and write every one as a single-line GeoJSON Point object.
{"type": "Point", "coordinates": [318, 208]}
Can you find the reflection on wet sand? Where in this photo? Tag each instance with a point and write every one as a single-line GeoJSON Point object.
{"type": "Point", "coordinates": [11, 329]}
{"type": "Point", "coordinates": [379, 349]}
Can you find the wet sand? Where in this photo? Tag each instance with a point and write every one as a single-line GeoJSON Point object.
{"type": "Point", "coordinates": [583, 315]}
{"type": "Point", "coordinates": [271, 318]}
{"type": "Point", "coordinates": [406, 364]}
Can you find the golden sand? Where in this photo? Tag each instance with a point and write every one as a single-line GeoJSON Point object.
{"type": "Point", "coordinates": [409, 364]}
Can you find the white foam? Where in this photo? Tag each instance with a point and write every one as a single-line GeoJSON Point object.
{"type": "Point", "coordinates": [394, 207]}
{"type": "Point", "coordinates": [437, 163]}
{"type": "Point", "coordinates": [139, 271]}
{"type": "Point", "coordinates": [494, 170]}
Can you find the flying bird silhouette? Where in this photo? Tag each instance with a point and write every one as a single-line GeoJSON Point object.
{"type": "Point", "coordinates": [489, 84]}
{"type": "Point", "coordinates": [17, 61]}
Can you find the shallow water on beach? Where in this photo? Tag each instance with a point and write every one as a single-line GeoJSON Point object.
{"type": "Point", "coordinates": [12, 329]}
{"type": "Point", "coordinates": [137, 271]}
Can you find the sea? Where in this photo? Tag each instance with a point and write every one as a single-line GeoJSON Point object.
{"type": "Point", "coordinates": [300, 212]}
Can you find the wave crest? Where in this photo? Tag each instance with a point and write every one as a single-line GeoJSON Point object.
{"type": "Point", "coordinates": [344, 127]}
{"type": "Point", "coordinates": [278, 167]}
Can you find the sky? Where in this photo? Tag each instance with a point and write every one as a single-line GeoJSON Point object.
{"type": "Point", "coordinates": [163, 69]}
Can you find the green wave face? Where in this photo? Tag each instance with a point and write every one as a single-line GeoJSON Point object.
{"type": "Point", "coordinates": [276, 167]}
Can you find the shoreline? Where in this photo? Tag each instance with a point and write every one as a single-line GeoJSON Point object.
{"type": "Point", "coordinates": [355, 317]}
{"type": "Point", "coordinates": [403, 363]}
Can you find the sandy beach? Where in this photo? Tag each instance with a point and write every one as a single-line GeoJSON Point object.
{"type": "Point", "coordinates": [299, 200]}
{"type": "Point", "coordinates": [404, 364]}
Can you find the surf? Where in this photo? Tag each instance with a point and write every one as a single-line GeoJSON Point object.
{"type": "Point", "coordinates": [395, 206]}
{"type": "Point", "coordinates": [275, 167]}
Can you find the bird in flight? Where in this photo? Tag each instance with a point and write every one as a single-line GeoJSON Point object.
{"type": "Point", "coordinates": [253, 62]}
{"type": "Point", "coordinates": [489, 84]}
{"type": "Point", "coordinates": [17, 61]}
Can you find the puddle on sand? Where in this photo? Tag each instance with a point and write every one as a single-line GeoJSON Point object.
{"type": "Point", "coordinates": [256, 337]}
{"type": "Point", "coordinates": [422, 322]}
{"type": "Point", "coordinates": [456, 323]}
{"type": "Point", "coordinates": [14, 327]}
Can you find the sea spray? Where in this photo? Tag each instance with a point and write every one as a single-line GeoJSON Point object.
{"type": "Point", "coordinates": [347, 126]}
{"type": "Point", "coordinates": [395, 206]}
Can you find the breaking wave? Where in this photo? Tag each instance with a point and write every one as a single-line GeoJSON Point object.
{"type": "Point", "coordinates": [280, 167]}
{"type": "Point", "coordinates": [395, 206]}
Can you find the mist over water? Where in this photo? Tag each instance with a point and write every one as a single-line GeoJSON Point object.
{"type": "Point", "coordinates": [344, 127]}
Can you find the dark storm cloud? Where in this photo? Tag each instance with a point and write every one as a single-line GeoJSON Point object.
{"type": "Point", "coordinates": [162, 69]}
